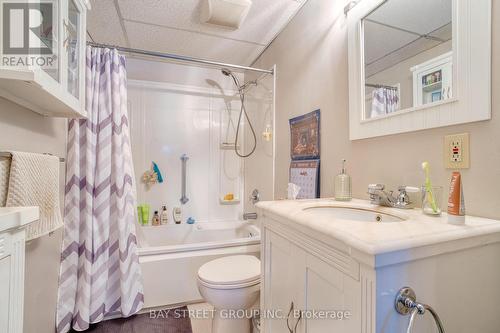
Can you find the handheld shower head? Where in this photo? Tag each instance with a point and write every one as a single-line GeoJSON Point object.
{"type": "Point", "coordinates": [243, 112]}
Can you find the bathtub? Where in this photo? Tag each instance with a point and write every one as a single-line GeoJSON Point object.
{"type": "Point", "coordinates": [170, 256]}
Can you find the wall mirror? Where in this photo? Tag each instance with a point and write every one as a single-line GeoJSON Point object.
{"type": "Point", "coordinates": [415, 65]}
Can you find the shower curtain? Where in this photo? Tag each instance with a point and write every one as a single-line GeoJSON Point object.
{"type": "Point", "coordinates": [100, 274]}
{"type": "Point", "coordinates": [384, 101]}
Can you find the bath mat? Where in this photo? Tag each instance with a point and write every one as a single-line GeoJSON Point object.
{"type": "Point", "coordinates": [161, 321]}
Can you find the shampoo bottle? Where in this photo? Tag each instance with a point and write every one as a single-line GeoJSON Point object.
{"type": "Point", "coordinates": [343, 191]}
{"type": "Point", "coordinates": [156, 219]}
{"type": "Point", "coordinates": [164, 215]}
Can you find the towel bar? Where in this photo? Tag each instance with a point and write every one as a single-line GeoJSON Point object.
{"type": "Point", "coordinates": [406, 303]}
{"type": "Point", "coordinates": [7, 154]}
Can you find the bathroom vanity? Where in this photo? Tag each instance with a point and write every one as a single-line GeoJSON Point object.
{"type": "Point", "coordinates": [330, 259]}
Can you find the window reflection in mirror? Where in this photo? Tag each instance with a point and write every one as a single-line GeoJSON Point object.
{"type": "Point", "coordinates": [407, 55]}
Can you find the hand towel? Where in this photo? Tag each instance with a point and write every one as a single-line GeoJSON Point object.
{"type": "Point", "coordinates": [34, 181]}
{"type": "Point", "coordinates": [4, 179]}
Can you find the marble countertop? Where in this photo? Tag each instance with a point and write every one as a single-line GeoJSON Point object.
{"type": "Point", "coordinates": [17, 217]}
{"type": "Point", "coordinates": [374, 238]}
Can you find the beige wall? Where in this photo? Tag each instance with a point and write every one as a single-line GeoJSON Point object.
{"type": "Point", "coordinates": [311, 56]}
{"type": "Point", "coordinates": [24, 130]}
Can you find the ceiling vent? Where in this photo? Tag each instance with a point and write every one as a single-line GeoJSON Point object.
{"type": "Point", "coordinates": [225, 13]}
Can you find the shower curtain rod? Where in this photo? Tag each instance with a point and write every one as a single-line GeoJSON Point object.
{"type": "Point", "coordinates": [380, 86]}
{"type": "Point", "coordinates": [180, 58]}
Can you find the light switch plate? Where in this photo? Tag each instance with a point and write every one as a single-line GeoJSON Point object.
{"type": "Point", "coordinates": [456, 151]}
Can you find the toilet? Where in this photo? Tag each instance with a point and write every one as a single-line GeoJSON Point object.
{"type": "Point", "coordinates": [231, 283]}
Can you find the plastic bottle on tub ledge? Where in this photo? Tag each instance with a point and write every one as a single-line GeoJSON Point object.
{"type": "Point", "coordinates": [156, 219]}
{"type": "Point", "coordinates": [164, 215]}
{"type": "Point", "coordinates": [176, 212]}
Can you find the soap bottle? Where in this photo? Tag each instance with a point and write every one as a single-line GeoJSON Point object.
{"type": "Point", "coordinates": [164, 215]}
{"type": "Point", "coordinates": [156, 219]}
{"type": "Point", "coordinates": [342, 189]}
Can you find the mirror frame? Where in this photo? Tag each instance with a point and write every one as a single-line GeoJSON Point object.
{"type": "Point", "coordinates": [471, 100]}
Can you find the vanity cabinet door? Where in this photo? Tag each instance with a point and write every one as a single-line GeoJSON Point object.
{"type": "Point", "coordinates": [281, 284]}
{"type": "Point", "coordinates": [327, 295]}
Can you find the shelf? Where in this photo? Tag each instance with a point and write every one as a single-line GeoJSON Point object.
{"type": "Point", "coordinates": [229, 202]}
{"type": "Point", "coordinates": [17, 217]}
{"type": "Point", "coordinates": [39, 92]}
{"type": "Point", "coordinates": [432, 86]}
{"type": "Point", "coordinates": [228, 146]}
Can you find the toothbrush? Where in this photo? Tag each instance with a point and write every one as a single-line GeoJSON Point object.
{"type": "Point", "coordinates": [428, 187]}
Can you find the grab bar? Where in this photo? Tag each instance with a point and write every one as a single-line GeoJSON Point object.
{"type": "Point", "coordinates": [184, 199]}
{"type": "Point", "coordinates": [406, 302]}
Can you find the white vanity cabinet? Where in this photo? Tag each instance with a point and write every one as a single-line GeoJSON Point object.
{"type": "Point", "coordinates": [315, 279]}
{"type": "Point", "coordinates": [57, 90]}
{"type": "Point", "coordinates": [334, 267]}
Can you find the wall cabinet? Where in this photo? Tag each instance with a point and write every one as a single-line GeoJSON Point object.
{"type": "Point", "coordinates": [57, 90]}
{"type": "Point", "coordinates": [432, 80]}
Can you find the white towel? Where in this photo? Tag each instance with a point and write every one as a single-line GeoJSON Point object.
{"type": "Point", "coordinates": [4, 179]}
{"type": "Point", "coordinates": [34, 181]}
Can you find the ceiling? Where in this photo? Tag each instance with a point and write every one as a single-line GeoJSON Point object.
{"type": "Point", "coordinates": [393, 32]}
{"type": "Point", "coordinates": [173, 26]}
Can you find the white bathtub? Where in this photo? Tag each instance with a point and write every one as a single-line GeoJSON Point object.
{"type": "Point", "coordinates": [170, 256]}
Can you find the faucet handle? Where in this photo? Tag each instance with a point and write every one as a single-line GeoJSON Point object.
{"type": "Point", "coordinates": [403, 200]}
{"type": "Point", "coordinates": [255, 196]}
{"type": "Point", "coordinates": [375, 187]}
{"type": "Point", "coordinates": [408, 189]}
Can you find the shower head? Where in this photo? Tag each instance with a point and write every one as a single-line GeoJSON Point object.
{"type": "Point", "coordinates": [241, 88]}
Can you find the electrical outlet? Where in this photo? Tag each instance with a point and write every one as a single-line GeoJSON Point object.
{"type": "Point", "coordinates": [456, 151]}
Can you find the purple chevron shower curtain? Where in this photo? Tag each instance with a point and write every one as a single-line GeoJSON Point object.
{"type": "Point", "coordinates": [100, 274]}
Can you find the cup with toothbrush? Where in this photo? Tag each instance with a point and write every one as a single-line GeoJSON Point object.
{"type": "Point", "coordinates": [431, 195]}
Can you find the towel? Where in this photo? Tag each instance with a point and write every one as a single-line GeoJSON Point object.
{"type": "Point", "coordinates": [34, 181]}
{"type": "Point", "coordinates": [4, 179]}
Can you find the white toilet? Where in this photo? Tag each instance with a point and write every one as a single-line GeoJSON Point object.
{"type": "Point", "coordinates": [230, 283]}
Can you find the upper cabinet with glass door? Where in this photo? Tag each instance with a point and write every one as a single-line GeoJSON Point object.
{"type": "Point", "coordinates": [417, 64]}
{"type": "Point", "coordinates": [43, 55]}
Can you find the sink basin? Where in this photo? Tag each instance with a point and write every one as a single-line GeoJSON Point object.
{"type": "Point", "coordinates": [353, 214]}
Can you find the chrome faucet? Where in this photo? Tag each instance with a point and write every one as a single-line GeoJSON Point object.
{"type": "Point", "coordinates": [383, 198]}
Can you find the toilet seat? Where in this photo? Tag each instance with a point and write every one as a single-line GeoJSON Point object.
{"type": "Point", "coordinates": [230, 272]}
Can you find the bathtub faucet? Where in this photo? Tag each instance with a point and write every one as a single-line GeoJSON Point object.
{"type": "Point", "coordinates": [249, 216]}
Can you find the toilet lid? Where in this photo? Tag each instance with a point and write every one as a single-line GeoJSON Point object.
{"type": "Point", "coordinates": [230, 270]}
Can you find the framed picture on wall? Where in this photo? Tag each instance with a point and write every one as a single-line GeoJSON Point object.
{"type": "Point", "coordinates": [305, 136]}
